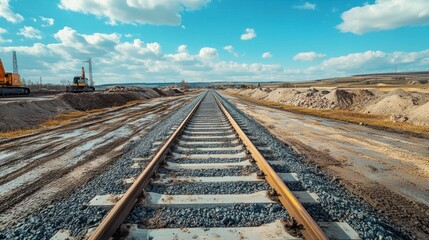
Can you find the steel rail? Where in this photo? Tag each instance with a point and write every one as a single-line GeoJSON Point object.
{"type": "Point", "coordinates": [119, 212]}
{"type": "Point", "coordinates": [310, 229]}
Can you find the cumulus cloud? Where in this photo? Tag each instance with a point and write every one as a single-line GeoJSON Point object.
{"type": "Point", "coordinates": [135, 11]}
{"type": "Point", "coordinates": [143, 62]}
{"type": "Point", "coordinates": [306, 6]}
{"type": "Point", "coordinates": [250, 34]}
{"type": "Point", "coordinates": [231, 50]}
{"type": "Point", "coordinates": [2, 31]}
{"type": "Point", "coordinates": [267, 55]}
{"type": "Point", "coordinates": [208, 53]}
{"type": "Point", "coordinates": [182, 49]}
{"type": "Point", "coordinates": [385, 15]}
{"type": "Point", "coordinates": [146, 61]}
{"type": "Point", "coordinates": [47, 21]}
{"type": "Point", "coordinates": [7, 13]}
{"type": "Point", "coordinates": [30, 32]}
{"type": "Point", "coordinates": [308, 56]}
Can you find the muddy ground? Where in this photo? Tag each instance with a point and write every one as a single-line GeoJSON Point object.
{"type": "Point", "coordinates": [47, 165]}
{"type": "Point", "coordinates": [388, 170]}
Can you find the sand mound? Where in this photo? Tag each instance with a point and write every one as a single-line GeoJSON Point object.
{"type": "Point", "coordinates": [400, 105]}
{"type": "Point", "coordinates": [340, 98]}
{"type": "Point", "coordinates": [393, 104]}
{"type": "Point", "coordinates": [420, 115]}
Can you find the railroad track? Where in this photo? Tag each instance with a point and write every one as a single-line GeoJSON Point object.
{"type": "Point", "coordinates": [211, 173]}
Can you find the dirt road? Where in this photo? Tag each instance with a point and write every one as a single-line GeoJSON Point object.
{"type": "Point", "coordinates": [388, 170]}
{"type": "Point", "coordinates": [38, 168]}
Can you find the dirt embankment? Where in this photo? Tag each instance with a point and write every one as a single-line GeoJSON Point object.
{"type": "Point", "coordinates": [26, 114]}
{"type": "Point", "coordinates": [399, 105]}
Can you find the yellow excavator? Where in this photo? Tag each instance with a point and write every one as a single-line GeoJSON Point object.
{"type": "Point", "coordinates": [80, 84]}
{"type": "Point", "coordinates": [10, 83]}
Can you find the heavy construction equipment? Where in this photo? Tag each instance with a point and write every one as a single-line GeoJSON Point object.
{"type": "Point", "coordinates": [80, 84]}
{"type": "Point", "coordinates": [10, 83]}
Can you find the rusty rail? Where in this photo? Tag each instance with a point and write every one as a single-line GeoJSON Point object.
{"type": "Point", "coordinates": [119, 212]}
{"type": "Point", "coordinates": [310, 228]}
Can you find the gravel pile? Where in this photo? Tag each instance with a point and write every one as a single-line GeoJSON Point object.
{"type": "Point", "coordinates": [336, 203]}
{"type": "Point", "coordinates": [71, 212]}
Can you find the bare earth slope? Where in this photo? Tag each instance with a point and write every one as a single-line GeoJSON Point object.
{"type": "Point", "coordinates": [388, 170]}
{"type": "Point", "coordinates": [25, 113]}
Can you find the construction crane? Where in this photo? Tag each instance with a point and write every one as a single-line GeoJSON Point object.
{"type": "Point", "coordinates": [10, 83]}
{"type": "Point", "coordinates": [80, 84]}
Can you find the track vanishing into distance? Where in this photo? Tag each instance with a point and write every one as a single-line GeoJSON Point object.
{"type": "Point", "coordinates": [211, 169]}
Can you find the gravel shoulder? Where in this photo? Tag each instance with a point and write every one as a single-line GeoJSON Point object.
{"type": "Point", "coordinates": [390, 171]}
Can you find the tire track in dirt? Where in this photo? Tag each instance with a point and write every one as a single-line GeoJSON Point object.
{"type": "Point", "coordinates": [75, 140]}
{"type": "Point", "coordinates": [67, 148]}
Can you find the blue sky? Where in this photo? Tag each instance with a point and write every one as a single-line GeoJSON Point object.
{"type": "Point", "coordinates": [252, 40]}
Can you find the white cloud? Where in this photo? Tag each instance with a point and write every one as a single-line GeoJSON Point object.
{"type": "Point", "coordinates": [163, 12]}
{"type": "Point", "coordinates": [250, 34]}
{"type": "Point", "coordinates": [231, 50]}
{"type": "Point", "coordinates": [7, 13]}
{"type": "Point", "coordinates": [385, 15]}
{"type": "Point", "coordinates": [182, 49]}
{"type": "Point", "coordinates": [146, 62]}
{"type": "Point", "coordinates": [143, 62]}
{"type": "Point", "coordinates": [2, 31]}
{"type": "Point", "coordinates": [267, 55]}
{"type": "Point", "coordinates": [30, 32]}
{"type": "Point", "coordinates": [47, 21]}
{"type": "Point", "coordinates": [306, 6]}
{"type": "Point", "coordinates": [208, 53]}
{"type": "Point", "coordinates": [308, 56]}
